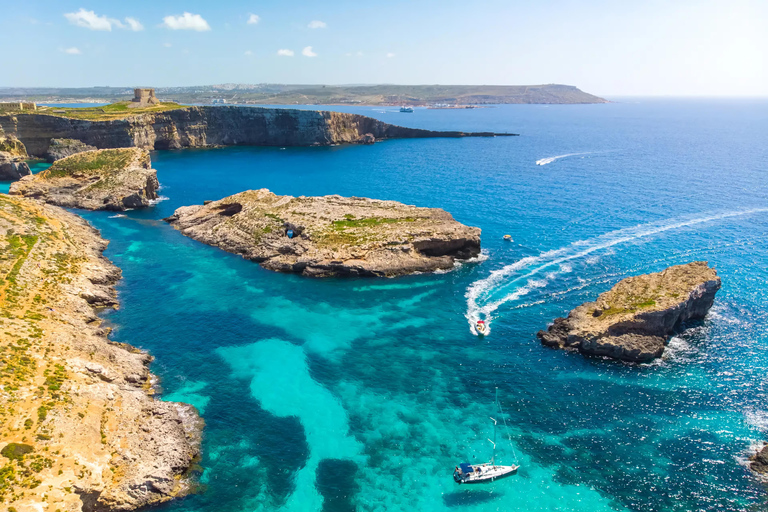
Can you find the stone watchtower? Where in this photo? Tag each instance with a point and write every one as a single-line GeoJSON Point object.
{"type": "Point", "coordinates": [144, 98]}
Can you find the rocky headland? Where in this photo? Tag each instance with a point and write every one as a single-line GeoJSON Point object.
{"type": "Point", "coordinates": [332, 235]}
{"type": "Point", "coordinates": [634, 320]}
{"type": "Point", "coordinates": [80, 429]}
{"type": "Point", "coordinates": [171, 126]}
{"type": "Point", "coordinates": [108, 179]}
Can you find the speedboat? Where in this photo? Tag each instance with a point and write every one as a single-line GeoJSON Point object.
{"type": "Point", "coordinates": [481, 328]}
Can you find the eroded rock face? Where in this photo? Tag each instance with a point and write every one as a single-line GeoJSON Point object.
{"type": "Point", "coordinates": [212, 126]}
{"type": "Point", "coordinates": [634, 320]}
{"type": "Point", "coordinates": [62, 148]}
{"type": "Point", "coordinates": [759, 461]}
{"type": "Point", "coordinates": [83, 404]}
{"type": "Point", "coordinates": [109, 179]}
{"type": "Point", "coordinates": [332, 235]}
{"type": "Point", "coordinates": [12, 167]}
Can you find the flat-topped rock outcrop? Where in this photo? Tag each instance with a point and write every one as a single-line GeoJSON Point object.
{"type": "Point", "coordinates": [634, 320]}
{"type": "Point", "coordinates": [108, 179]}
{"type": "Point", "coordinates": [331, 235]}
{"type": "Point", "coordinates": [188, 127]}
{"type": "Point", "coordinates": [79, 427]}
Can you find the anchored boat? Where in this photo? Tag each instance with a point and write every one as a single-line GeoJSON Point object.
{"type": "Point", "coordinates": [466, 473]}
{"type": "Point", "coordinates": [406, 109]}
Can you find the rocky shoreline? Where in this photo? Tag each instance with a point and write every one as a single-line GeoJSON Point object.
{"type": "Point", "coordinates": [330, 235]}
{"type": "Point", "coordinates": [191, 127]}
{"type": "Point", "coordinates": [107, 179]}
{"type": "Point", "coordinates": [634, 320]}
{"type": "Point", "coordinates": [80, 429]}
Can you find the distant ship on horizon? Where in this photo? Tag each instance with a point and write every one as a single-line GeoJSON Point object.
{"type": "Point", "coordinates": [406, 109]}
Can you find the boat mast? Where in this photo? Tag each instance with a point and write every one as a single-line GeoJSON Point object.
{"type": "Point", "coordinates": [496, 403]}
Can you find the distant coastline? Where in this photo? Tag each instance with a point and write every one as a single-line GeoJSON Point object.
{"type": "Point", "coordinates": [357, 95]}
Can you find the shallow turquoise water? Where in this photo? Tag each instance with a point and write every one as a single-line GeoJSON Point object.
{"type": "Point", "coordinates": [363, 394]}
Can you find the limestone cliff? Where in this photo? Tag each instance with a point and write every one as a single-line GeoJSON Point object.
{"type": "Point", "coordinates": [62, 148]}
{"type": "Point", "coordinates": [12, 167]}
{"type": "Point", "coordinates": [332, 235]}
{"type": "Point", "coordinates": [106, 179]}
{"type": "Point", "coordinates": [209, 126]}
{"type": "Point", "coordinates": [634, 320]}
{"type": "Point", "coordinates": [80, 429]}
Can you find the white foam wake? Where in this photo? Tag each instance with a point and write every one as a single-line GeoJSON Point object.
{"type": "Point", "coordinates": [550, 159]}
{"type": "Point", "coordinates": [485, 296]}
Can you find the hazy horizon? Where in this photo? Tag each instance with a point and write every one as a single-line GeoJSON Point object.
{"type": "Point", "coordinates": [689, 48]}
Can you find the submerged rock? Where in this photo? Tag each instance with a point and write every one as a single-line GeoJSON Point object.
{"type": "Point", "coordinates": [108, 179]}
{"type": "Point", "coordinates": [12, 167]}
{"type": "Point", "coordinates": [634, 320]}
{"type": "Point", "coordinates": [62, 148]}
{"type": "Point", "coordinates": [330, 235]}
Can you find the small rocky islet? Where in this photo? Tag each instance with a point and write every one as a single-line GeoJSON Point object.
{"type": "Point", "coordinates": [330, 235]}
{"type": "Point", "coordinates": [634, 320]}
{"type": "Point", "coordinates": [106, 179]}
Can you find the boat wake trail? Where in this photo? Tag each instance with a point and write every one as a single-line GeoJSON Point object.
{"type": "Point", "coordinates": [520, 278]}
{"type": "Point", "coordinates": [550, 159]}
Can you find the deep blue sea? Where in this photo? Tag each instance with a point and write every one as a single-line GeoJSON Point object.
{"type": "Point", "coordinates": [363, 394]}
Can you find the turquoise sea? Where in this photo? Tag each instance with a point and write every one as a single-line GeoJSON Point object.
{"type": "Point", "coordinates": [363, 394]}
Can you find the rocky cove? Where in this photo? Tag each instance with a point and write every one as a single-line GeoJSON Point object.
{"type": "Point", "coordinates": [189, 127]}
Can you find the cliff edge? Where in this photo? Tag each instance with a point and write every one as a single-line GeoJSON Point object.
{"type": "Point", "coordinates": [107, 179]}
{"type": "Point", "coordinates": [330, 235]}
{"type": "Point", "coordinates": [634, 320]}
{"type": "Point", "coordinates": [80, 429]}
{"type": "Point", "coordinates": [189, 127]}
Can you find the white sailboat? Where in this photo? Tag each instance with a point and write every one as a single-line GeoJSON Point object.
{"type": "Point", "coordinates": [466, 473]}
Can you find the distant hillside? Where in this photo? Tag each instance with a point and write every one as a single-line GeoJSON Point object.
{"type": "Point", "coordinates": [281, 94]}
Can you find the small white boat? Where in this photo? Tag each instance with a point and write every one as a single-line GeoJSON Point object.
{"type": "Point", "coordinates": [466, 473]}
{"type": "Point", "coordinates": [481, 328]}
{"type": "Point", "coordinates": [406, 109]}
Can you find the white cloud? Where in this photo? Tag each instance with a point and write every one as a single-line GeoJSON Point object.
{"type": "Point", "coordinates": [248, 52]}
{"type": "Point", "coordinates": [253, 19]}
{"type": "Point", "coordinates": [134, 24]}
{"type": "Point", "coordinates": [89, 19]}
{"type": "Point", "coordinates": [92, 21]}
{"type": "Point", "coordinates": [307, 52]}
{"type": "Point", "coordinates": [285, 53]}
{"type": "Point", "coordinates": [167, 45]}
{"type": "Point", "coordinates": [317, 24]}
{"type": "Point", "coordinates": [72, 51]}
{"type": "Point", "coordinates": [390, 55]}
{"type": "Point", "coordinates": [186, 21]}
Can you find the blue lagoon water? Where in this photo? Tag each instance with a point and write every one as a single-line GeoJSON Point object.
{"type": "Point", "coordinates": [363, 394]}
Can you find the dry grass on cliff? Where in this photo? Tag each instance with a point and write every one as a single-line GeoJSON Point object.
{"type": "Point", "coordinates": [92, 162]}
{"type": "Point", "coordinates": [110, 112]}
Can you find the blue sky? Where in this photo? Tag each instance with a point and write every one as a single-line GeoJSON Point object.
{"type": "Point", "coordinates": [683, 47]}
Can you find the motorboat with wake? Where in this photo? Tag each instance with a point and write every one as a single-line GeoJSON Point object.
{"type": "Point", "coordinates": [481, 328]}
{"type": "Point", "coordinates": [466, 473]}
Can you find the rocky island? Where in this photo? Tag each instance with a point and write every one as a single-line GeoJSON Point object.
{"type": "Point", "coordinates": [759, 461]}
{"type": "Point", "coordinates": [634, 320]}
{"type": "Point", "coordinates": [80, 429]}
{"type": "Point", "coordinates": [330, 235]}
{"type": "Point", "coordinates": [173, 126]}
{"type": "Point", "coordinates": [108, 179]}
